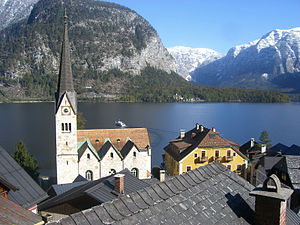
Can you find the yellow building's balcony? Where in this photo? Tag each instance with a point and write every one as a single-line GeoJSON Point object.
{"type": "Point", "coordinates": [201, 159]}
{"type": "Point", "coordinates": [228, 158]}
{"type": "Point", "coordinates": [219, 158]}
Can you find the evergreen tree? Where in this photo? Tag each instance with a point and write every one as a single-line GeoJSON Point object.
{"type": "Point", "coordinates": [26, 160]}
{"type": "Point", "coordinates": [264, 139]}
{"type": "Point", "coordinates": [81, 121]}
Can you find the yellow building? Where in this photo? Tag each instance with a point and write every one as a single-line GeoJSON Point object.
{"type": "Point", "coordinates": [200, 146]}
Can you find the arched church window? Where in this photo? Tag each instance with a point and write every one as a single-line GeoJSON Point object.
{"type": "Point", "coordinates": [88, 156]}
{"type": "Point", "coordinates": [134, 154]}
{"type": "Point", "coordinates": [135, 172]}
{"type": "Point", "coordinates": [66, 126]}
{"type": "Point", "coordinates": [69, 126]}
{"type": "Point", "coordinates": [89, 175]}
{"type": "Point", "coordinates": [112, 171]}
{"type": "Point", "coordinates": [62, 126]}
{"type": "Point", "coordinates": [111, 154]}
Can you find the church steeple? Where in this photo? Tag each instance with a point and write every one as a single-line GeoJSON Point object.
{"type": "Point", "coordinates": [65, 80]}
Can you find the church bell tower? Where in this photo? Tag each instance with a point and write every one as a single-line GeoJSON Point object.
{"type": "Point", "coordinates": [66, 117]}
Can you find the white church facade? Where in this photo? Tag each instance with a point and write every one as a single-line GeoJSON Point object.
{"type": "Point", "coordinates": [93, 153]}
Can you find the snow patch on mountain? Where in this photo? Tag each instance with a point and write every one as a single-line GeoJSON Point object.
{"type": "Point", "coordinates": [188, 59]}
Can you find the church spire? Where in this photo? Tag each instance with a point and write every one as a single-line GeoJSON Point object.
{"type": "Point", "coordinates": [65, 80]}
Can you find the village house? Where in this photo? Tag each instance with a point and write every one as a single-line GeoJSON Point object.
{"type": "Point", "coordinates": [93, 153]}
{"type": "Point", "coordinates": [200, 146]}
{"type": "Point", "coordinates": [17, 186]}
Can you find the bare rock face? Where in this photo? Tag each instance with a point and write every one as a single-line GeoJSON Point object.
{"type": "Point", "coordinates": [103, 36]}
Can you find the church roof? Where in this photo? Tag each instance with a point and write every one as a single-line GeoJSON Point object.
{"type": "Point", "coordinates": [65, 80]}
{"type": "Point", "coordinates": [118, 137]}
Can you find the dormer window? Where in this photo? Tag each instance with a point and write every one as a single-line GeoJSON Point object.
{"type": "Point", "coordinates": [118, 139]}
{"type": "Point", "coordinates": [97, 140]}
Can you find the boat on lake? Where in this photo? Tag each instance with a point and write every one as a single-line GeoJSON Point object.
{"type": "Point", "coordinates": [119, 123]}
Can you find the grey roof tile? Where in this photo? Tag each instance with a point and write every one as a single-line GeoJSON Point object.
{"type": "Point", "coordinates": [103, 214]}
{"type": "Point", "coordinates": [79, 218]}
{"type": "Point", "coordinates": [183, 182]}
{"type": "Point", "coordinates": [188, 179]}
{"type": "Point", "coordinates": [146, 197]}
{"type": "Point", "coordinates": [138, 201]}
{"type": "Point", "coordinates": [91, 216]}
{"type": "Point", "coordinates": [130, 204]}
{"type": "Point", "coordinates": [178, 184]}
{"type": "Point", "coordinates": [112, 211]}
{"type": "Point", "coordinates": [172, 187]}
{"type": "Point", "coordinates": [155, 197]}
{"type": "Point", "coordinates": [67, 221]}
{"type": "Point", "coordinates": [121, 207]}
{"type": "Point", "coordinates": [166, 189]}
{"type": "Point", "coordinates": [160, 192]}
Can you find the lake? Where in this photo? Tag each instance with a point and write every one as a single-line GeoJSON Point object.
{"type": "Point", "coordinates": [34, 123]}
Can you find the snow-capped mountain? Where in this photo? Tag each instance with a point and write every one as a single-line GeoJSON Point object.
{"type": "Point", "coordinates": [272, 61]}
{"type": "Point", "coordinates": [12, 11]}
{"type": "Point", "coordinates": [188, 59]}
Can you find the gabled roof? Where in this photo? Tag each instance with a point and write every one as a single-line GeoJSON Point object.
{"type": "Point", "coordinates": [106, 146]}
{"type": "Point", "coordinates": [118, 137]}
{"type": "Point", "coordinates": [58, 189]}
{"type": "Point", "coordinates": [127, 148]}
{"type": "Point", "coordinates": [291, 166]}
{"type": "Point", "coordinates": [12, 213]}
{"type": "Point", "coordinates": [82, 146]}
{"type": "Point", "coordinates": [28, 192]}
{"type": "Point", "coordinates": [210, 194]}
{"type": "Point", "coordinates": [195, 138]}
{"type": "Point", "coordinates": [100, 190]}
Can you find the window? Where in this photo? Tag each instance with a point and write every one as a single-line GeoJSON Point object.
{"type": "Point", "coordinates": [203, 153]}
{"type": "Point", "coordinates": [283, 176]}
{"type": "Point", "coordinates": [134, 154]}
{"type": "Point", "coordinates": [89, 175]}
{"type": "Point", "coordinates": [217, 153]}
{"type": "Point", "coordinates": [69, 126]}
{"type": "Point", "coordinates": [135, 172]}
{"type": "Point", "coordinates": [118, 139]}
{"type": "Point", "coordinates": [112, 171]}
{"type": "Point", "coordinates": [111, 155]}
{"type": "Point", "coordinates": [239, 168]}
{"type": "Point", "coordinates": [233, 154]}
{"type": "Point", "coordinates": [97, 140]}
{"type": "Point", "coordinates": [62, 127]}
{"type": "Point", "coordinates": [228, 166]}
{"type": "Point", "coordinates": [66, 126]}
{"type": "Point", "coordinates": [228, 153]}
{"type": "Point", "coordinates": [88, 156]}
{"type": "Point", "coordinates": [188, 168]}
{"type": "Point", "coordinates": [196, 155]}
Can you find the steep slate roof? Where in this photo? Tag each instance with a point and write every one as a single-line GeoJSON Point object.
{"type": "Point", "coordinates": [291, 166]}
{"type": "Point", "coordinates": [118, 137]}
{"type": "Point", "coordinates": [83, 145]}
{"type": "Point", "coordinates": [210, 194]}
{"type": "Point", "coordinates": [12, 213]}
{"type": "Point", "coordinates": [58, 189]}
{"type": "Point", "coordinates": [127, 147]}
{"type": "Point", "coordinates": [28, 192]}
{"type": "Point", "coordinates": [100, 190]}
{"type": "Point", "coordinates": [65, 80]}
{"type": "Point", "coordinates": [181, 147]}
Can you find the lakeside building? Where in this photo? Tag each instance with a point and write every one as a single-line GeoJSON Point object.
{"type": "Point", "coordinates": [93, 153]}
{"type": "Point", "coordinates": [200, 146]}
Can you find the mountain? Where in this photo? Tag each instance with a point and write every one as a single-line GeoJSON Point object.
{"type": "Point", "coordinates": [105, 39]}
{"type": "Point", "coordinates": [188, 59]}
{"type": "Point", "coordinates": [272, 62]}
{"type": "Point", "coordinates": [12, 11]}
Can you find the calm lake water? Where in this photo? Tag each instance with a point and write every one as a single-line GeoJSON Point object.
{"type": "Point", "coordinates": [34, 123]}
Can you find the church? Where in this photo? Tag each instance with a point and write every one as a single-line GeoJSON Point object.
{"type": "Point", "coordinates": [93, 153]}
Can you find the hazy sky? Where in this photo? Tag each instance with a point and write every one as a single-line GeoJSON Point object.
{"type": "Point", "coordinates": [215, 24]}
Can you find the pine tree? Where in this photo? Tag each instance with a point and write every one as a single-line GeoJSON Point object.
{"type": "Point", "coordinates": [26, 160]}
{"type": "Point", "coordinates": [264, 139]}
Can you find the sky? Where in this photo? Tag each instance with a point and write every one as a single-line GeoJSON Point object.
{"type": "Point", "coordinates": [215, 24]}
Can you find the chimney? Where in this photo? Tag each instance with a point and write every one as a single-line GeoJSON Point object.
{"type": "Point", "coordinates": [197, 126]}
{"type": "Point", "coordinates": [162, 175]}
{"type": "Point", "coordinates": [182, 133]}
{"type": "Point", "coordinates": [263, 148]}
{"type": "Point", "coordinates": [251, 142]}
{"type": "Point", "coordinates": [271, 202]}
{"type": "Point", "coordinates": [213, 129]}
{"type": "Point", "coordinates": [119, 183]}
